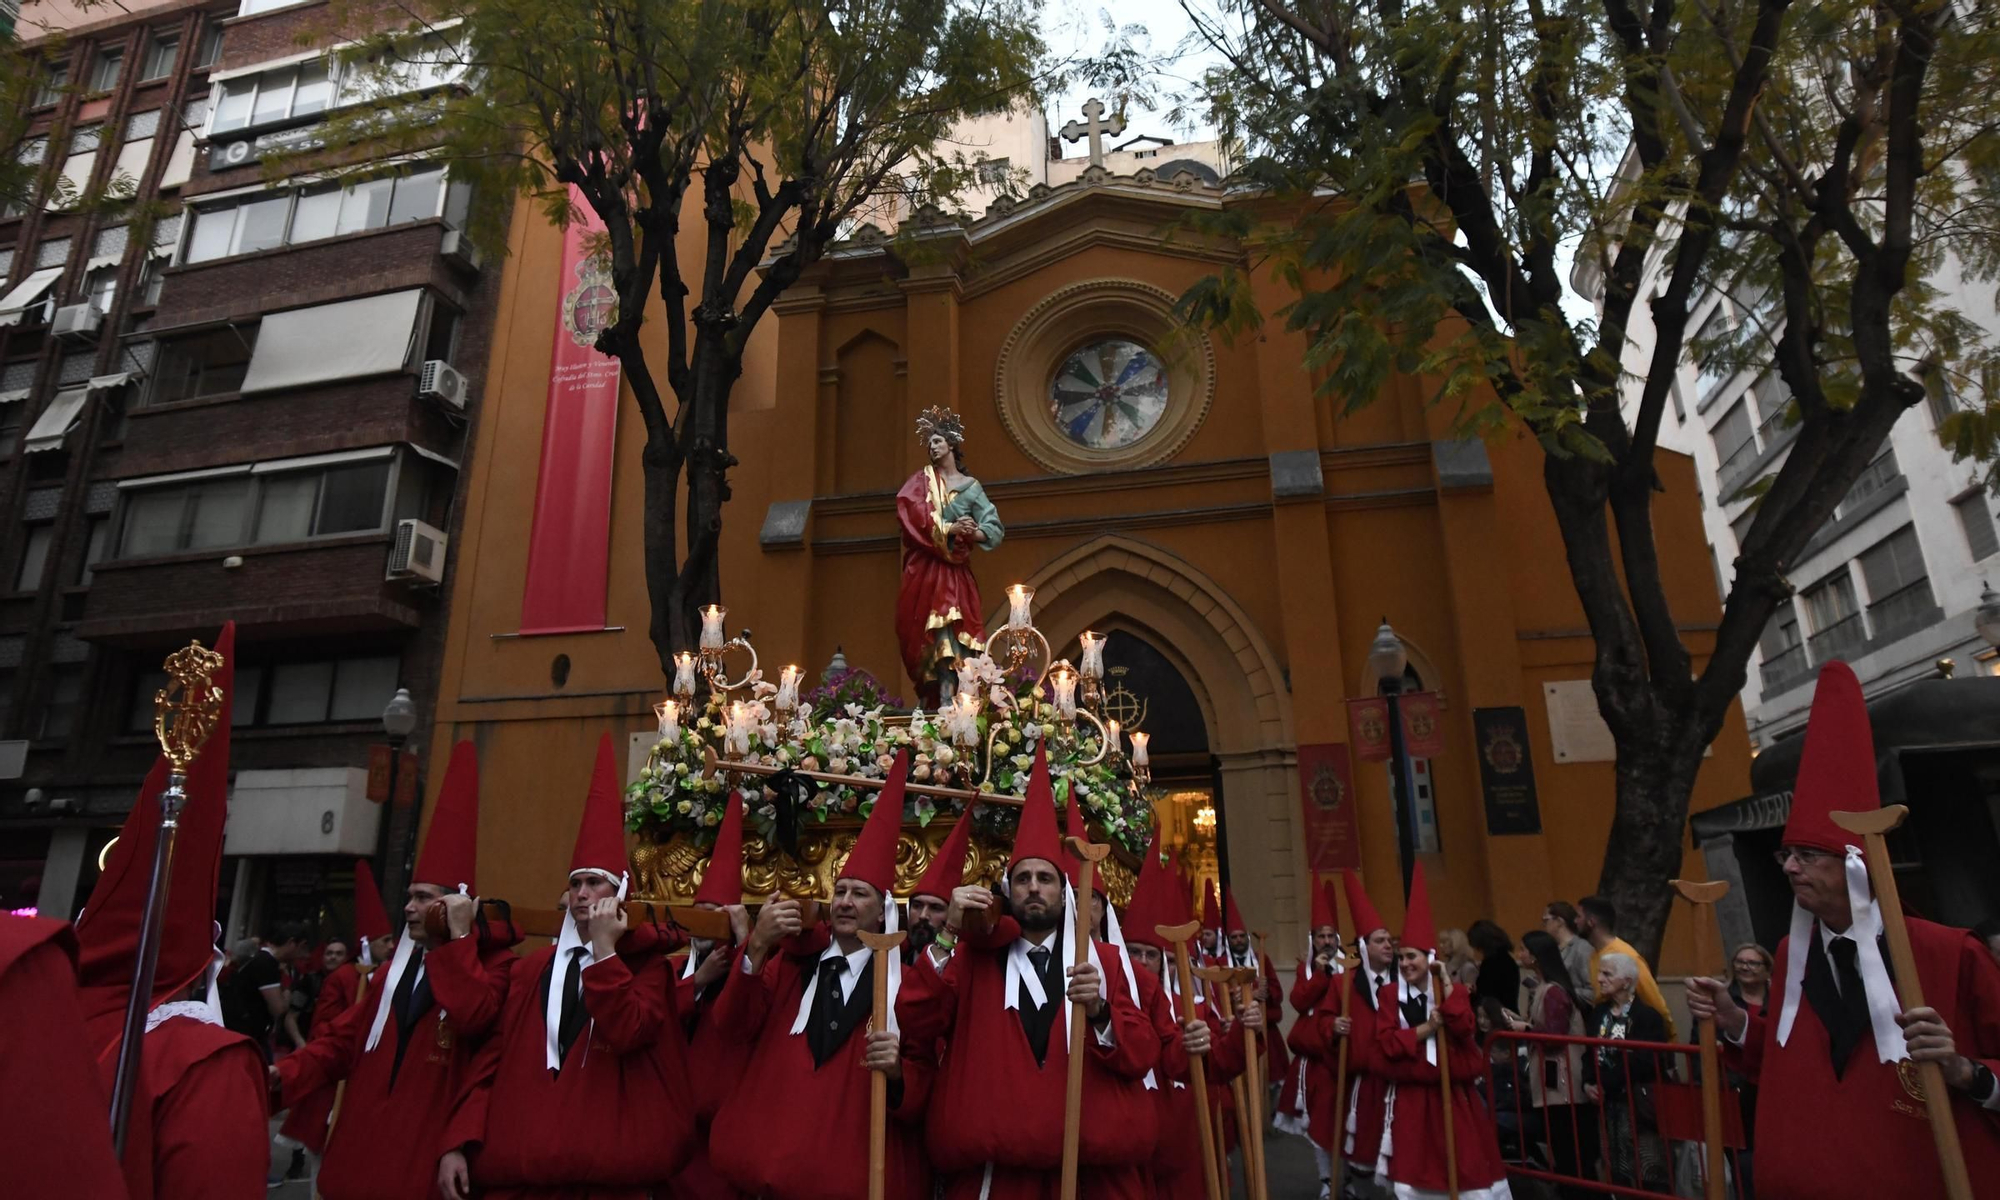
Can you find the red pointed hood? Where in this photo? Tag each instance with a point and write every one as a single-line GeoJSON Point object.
{"type": "Point", "coordinates": [1233, 922]}
{"type": "Point", "coordinates": [873, 859]}
{"type": "Point", "coordinates": [1153, 899]}
{"type": "Point", "coordinates": [600, 836]}
{"type": "Point", "coordinates": [1037, 837]}
{"type": "Point", "coordinates": [1836, 766]}
{"type": "Point", "coordinates": [1360, 907]}
{"type": "Point", "coordinates": [722, 882]}
{"type": "Point", "coordinates": [1322, 907]}
{"type": "Point", "coordinates": [371, 920]}
{"type": "Point", "coordinates": [451, 848]}
{"type": "Point", "coordinates": [947, 869]}
{"type": "Point", "coordinates": [1211, 908]}
{"type": "Point", "coordinates": [1419, 930]}
{"type": "Point", "coordinates": [108, 932]}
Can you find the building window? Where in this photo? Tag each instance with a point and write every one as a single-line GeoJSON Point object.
{"type": "Point", "coordinates": [210, 363]}
{"type": "Point", "coordinates": [1879, 474]}
{"type": "Point", "coordinates": [161, 54]}
{"type": "Point", "coordinates": [34, 556]}
{"type": "Point", "coordinates": [1108, 394]}
{"type": "Point", "coordinates": [100, 287]}
{"type": "Point", "coordinates": [77, 168]}
{"type": "Point", "coordinates": [97, 542]}
{"type": "Point", "coordinates": [272, 96]}
{"type": "Point", "coordinates": [1834, 615]}
{"type": "Point", "coordinates": [1939, 394]}
{"type": "Point", "coordinates": [1977, 521]}
{"type": "Point", "coordinates": [64, 703]}
{"type": "Point", "coordinates": [1784, 652]}
{"type": "Point", "coordinates": [105, 71]}
{"type": "Point", "coordinates": [442, 337]}
{"type": "Point", "coordinates": [1735, 448]}
{"type": "Point", "coordinates": [992, 172]}
{"type": "Point", "coordinates": [313, 692]}
{"type": "Point", "coordinates": [1740, 527]}
{"type": "Point", "coordinates": [211, 46]}
{"type": "Point", "coordinates": [1899, 586]}
{"type": "Point", "coordinates": [52, 253]}
{"type": "Point", "coordinates": [54, 79]}
{"type": "Point", "coordinates": [266, 220]}
{"type": "Point", "coordinates": [267, 507]}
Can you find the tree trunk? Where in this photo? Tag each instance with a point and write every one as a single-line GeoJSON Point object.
{"type": "Point", "coordinates": [1655, 781]}
{"type": "Point", "coordinates": [666, 621]}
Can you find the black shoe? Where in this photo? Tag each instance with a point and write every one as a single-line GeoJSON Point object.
{"type": "Point", "coordinates": [298, 1168]}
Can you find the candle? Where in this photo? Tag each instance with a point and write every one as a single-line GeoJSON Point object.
{"type": "Point", "coordinates": [1020, 598]}
{"type": "Point", "coordinates": [711, 626]}
{"type": "Point", "coordinates": [670, 720]}
{"type": "Point", "coordinates": [965, 729]}
{"type": "Point", "coordinates": [1111, 744]}
{"type": "Point", "coordinates": [788, 689]}
{"type": "Point", "coordinates": [1139, 740]}
{"type": "Point", "coordinates": [1093, 654]}
{"type": "Point", "coordinates": [736, 738]}
{"type": "Point", "coordinates": [1063, 680]}
{"type": "Point", "coordinates": [683, 674]}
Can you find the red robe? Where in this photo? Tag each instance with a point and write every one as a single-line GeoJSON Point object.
{"type": "Point", "coordinates": [198, 1128]}
{"type": "Point", "coordinates": [1866, 1134]}
{"type": "Point", "coordinates": [938, 589]}
{"type": "Point", "coordinates": [306, 1123]}
{"type": "Point", "coordinates": [715, 1063]}
{"type": "Point", "coordinates": [390, 1134]}
{"type": "Point", "coordinates": [615, 1121]}
{"type": "Point", "coordinates": [992, 1104]}
{"type": "Point", "coordinates": [1317, 1046]}
{"type": "Point", "coordinates": [1416, 1134]}
{"type": "Point", "coordinates": [1277, 1062]}
{"type": "Point", "coordinates": [821, 1153]}
{"type": "Point", "coordinates": [58, 1142]}
{"type": "Point", "coordinates": [1177, 1169]}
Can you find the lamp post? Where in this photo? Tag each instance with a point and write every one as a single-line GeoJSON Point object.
{"type": "Point", "coordinates": [1386, 662]}
{"type": "Point", "coordinates": [1987, 619]}
{"type": "Point", "coordinates": [399, 721]}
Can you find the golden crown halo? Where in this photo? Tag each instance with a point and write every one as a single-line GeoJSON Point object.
{"type": "Point", "coordinates": [186, 710]}
{"type": "Point", "coordinates": [940, 420]}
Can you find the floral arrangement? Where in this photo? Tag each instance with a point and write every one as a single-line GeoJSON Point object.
{"type": "Point", "coordinates": [831, 733]}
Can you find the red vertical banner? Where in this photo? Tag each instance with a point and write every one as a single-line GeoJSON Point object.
{"type": "Point", "coordinates": [1326, 785]}
{"type": "Point", "coordinates": [1368, 728]}
{"type": "Point", "coordinates": [569, 538]}
{"type": "Point", "coordinates": [1423, 724]}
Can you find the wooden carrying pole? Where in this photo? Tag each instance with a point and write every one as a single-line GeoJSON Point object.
{"type": "Point", "coordinates": [1259, 1082]}
{"type": "Point", "coordinates": [1444, 1082]}
{"type": "Point", "coordinates": [1219, 980]}
{"type": "Point", "coordinates": [883, 944]}
{"type": "Point", "coordinates": [1874, 828]}
{"type": "Point", "coordinates": [711, 923]}
{"type": "Point", "coordinates": [1346, 986]}
{"type": "Point", "coordinates": [1255, 1066]}
{"type": "Point", "coordinates": [1178, 937]}
{"type": "Point", "coordinates": [1090, 855]}
{"type": "Point", "coordinates": [1702, 897]}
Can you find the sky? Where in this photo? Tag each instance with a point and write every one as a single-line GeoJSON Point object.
{"type": "Point", "coordinates": [1078, 27]}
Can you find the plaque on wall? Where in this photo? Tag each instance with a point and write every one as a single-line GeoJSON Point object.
{"type": "Point", "coordinates": [1506, 770]}
{"type": "Point", "coordinates": [1577, 732]}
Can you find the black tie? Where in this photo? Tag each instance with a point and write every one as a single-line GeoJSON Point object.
{"type": "Point", "coordinates": [572, 1013]}
{"type": "Point", "coordinates": [406, 988]}
{"type": "Point", "coordinates": [1037, 1022]}
{"type": "Point", "coordinates": [410, 1002]}
{"type": "Point", "coordinates": [823, 1031]}
{"type": "Point", "coordinates": [1847, 1031]}
{"type": "Point", "coordinates": [1413, 1010]}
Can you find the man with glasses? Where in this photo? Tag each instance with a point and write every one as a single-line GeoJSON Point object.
{"type": "Point", "coordinates": [1842, 1112]}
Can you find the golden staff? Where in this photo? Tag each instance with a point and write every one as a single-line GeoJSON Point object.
{"type": "Point", "coordinates": [883, 944]}
{"type": "Point", "coordinates": [1178, 936]}
{"type": "Point", "coordinates": [185, 712]}
{"type": "Point", "coordinates": [1874, 828]}
{"type": "Point", "coordinates": [1091, 854]}
{"type": "Point", "coordinates": [1701, 897]}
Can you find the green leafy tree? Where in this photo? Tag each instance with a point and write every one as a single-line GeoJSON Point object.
{"type": "Point", "coordinates": [1820, 163]}
{"type": "Point", "coordinates": [762, 130]}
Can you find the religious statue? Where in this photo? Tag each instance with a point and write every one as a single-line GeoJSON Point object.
{"type": "Point", "coordinates": [943, 513]}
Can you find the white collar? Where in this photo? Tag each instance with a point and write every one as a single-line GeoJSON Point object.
{"type": "Point", "coordinates": [856, 963]}
{"type": "Point", "coordinates": [852, 976]}
{"type": "Point", "coordinates": [1883, 1005]}
{"type": "Point", "coordinates": [1405, 992]}
{"type": "Point", "coordinates": [398, 963]}
{"type": "Point", "coordinates": [193, 1010]}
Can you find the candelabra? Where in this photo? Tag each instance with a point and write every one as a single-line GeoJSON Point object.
{"type": "Point", "coordinates": [713, 646]}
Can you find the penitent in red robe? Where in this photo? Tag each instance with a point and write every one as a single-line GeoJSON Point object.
{"type": "Point", "coordinates": [714, 1063]}
{"type": "Point", "coordinates": [390, 1134]}
{"type": "Point", "coordinates": [198, 1127]}
{"type": "Point", "coordinates": [1177, 1169]}
{"type": "Point", "coordinates": [627, 1070]}
{"type": "Point", "coordinates": [1867, 1134]}
{"type": "Point", "coordinates": [58, 1142]}
{"type": "Point", "coordinates": [1416, 1132]}
{"type": "Point", "coordinates": [822, 1152]}
{"type": "Point", "coordinates": [1316, 1045]}
{"type": "Point", "coordinates": [993, 1108]}
{"type": "Point", "coordinates": [306, 1123]}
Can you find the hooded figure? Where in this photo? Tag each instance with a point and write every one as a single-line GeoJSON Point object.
{"type": "Point", "coordinates": [1410, 1018]}
{"type": "Point", "coordinates": [715, 1063]}
{"type": "Point", "coordinates": [51, 1101]}
{"type": "Point", "coordinates": [1306, 1107]}
{"type": "Point", "coordinates": [342, 989]}
{"type": "Point", "coordinates": [583, 1088]}
{"type": "Point", "coordinates": [197, 1119]}
{"type": "Point", "coordinates": [1839, 1112]}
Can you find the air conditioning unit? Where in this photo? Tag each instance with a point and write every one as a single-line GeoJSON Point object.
{"type": "Point", "coordinates": [458, 250]}
{"type": "Point", "coordinates": [418, 553]}
{"type": "Point", "coordinates": [77, 323]}
{"type": "Point", "coordinates": [441, 381]}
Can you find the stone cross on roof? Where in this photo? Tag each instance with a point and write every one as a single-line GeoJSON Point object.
{"type": "Point", "coordinates": [1094, 127]}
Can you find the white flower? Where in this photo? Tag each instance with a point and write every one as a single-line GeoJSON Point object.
{"type": "Point", "coordinates": [853, 712]}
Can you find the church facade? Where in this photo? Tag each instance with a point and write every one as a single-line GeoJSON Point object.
{"type": "Point", "coordinates": [1191, 497]}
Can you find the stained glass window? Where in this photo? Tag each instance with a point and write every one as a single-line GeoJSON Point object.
{"type": "Point", "coordinates": [1109, 394]}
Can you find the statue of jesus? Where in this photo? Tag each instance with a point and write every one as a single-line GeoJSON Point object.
{"type": "Point", "coordinates": [943, 514]}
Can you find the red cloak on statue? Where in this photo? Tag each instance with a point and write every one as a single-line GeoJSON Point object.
{"type": "Point", "coordinates": [938, 590]}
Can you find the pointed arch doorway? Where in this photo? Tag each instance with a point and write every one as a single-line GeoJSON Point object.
{"type": "Point", "coordinates": [1143, 594]}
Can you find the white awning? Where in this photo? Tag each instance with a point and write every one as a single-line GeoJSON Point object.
{"type": "Point", "coordinates": [15, 396]}
{"type": "Point", "coordinates": [347, 340]}
{"type": "Point", "coordinates": [57, 420]}
{"type": "Point", "coordinates": [25, 293]}
{"type": "Point", "coordinates": [104, 383]}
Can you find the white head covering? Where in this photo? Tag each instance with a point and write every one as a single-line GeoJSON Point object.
{"type": "Point", "coordinates": [571, 939]}
{"type": "Point", "coordinates": [1883, 1006]}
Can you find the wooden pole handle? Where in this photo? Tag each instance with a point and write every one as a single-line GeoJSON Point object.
{"type": "Point", "coordinates": [1346, 985]}
{"type": "Point", "coordinates": [1090, 855]}
{"type": "Point", "coordinates": [1909, 988]}
{"type": "Point", "coordinates": [1178, 937]}
{"type": "Point", "coordinates": [878, 1083]}
{"type": "Point", "coordinates": [1444, 1082]}
{"type": "Point", "coordinates": [1702, 896]}
{"type": "Point", "coordinates": [1220, 979]}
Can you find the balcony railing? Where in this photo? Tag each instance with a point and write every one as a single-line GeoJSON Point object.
{"type": "Point", "coordinates": [1845, 638]}
{"type": "Point", "coordinates": [1730, 475]}
{"type": "Point", "coordinates": [1783, 670]}
{"type": "Point", "coordinates": [1902, 611]}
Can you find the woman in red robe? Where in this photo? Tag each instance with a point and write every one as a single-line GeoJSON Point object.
{"type": "Point", "coordinates": [943, 513]}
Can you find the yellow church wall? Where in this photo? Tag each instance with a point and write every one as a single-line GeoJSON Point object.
{"type": "Point", "coordinates": [1267, 603]}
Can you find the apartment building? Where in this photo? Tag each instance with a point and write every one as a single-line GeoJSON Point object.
{"type": "Point", "coordinates": [222, 397]}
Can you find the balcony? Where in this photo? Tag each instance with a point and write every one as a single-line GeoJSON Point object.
{"type": "Point", "coordinates": [1845, 639]}
{"type": "Point", "coordinates": [1904, 611]}
{"type": "Point", "coordinates": [1785, 670]}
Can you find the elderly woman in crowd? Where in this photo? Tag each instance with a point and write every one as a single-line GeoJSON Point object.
{"type": "Point", "coordinates": [1622, 1080]}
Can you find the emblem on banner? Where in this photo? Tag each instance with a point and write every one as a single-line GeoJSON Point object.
{"type": "Point", "coordinates": [1503, 751]}
{"type": "Point", "coordinates": [1326, 789]}
{"type": "Point", "coordinates": [592, 304]}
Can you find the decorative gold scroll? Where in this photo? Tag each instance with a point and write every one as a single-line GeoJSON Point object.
{"type": "Point", "coordinates": [185, 711]}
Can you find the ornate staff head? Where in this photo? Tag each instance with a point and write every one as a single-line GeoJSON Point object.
{"type": "Point", "coordinates": [186, 710]}
{"type": "Point", "coordinates": [940, 421]}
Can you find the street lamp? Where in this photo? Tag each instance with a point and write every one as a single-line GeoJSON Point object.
{"type": "Point", "coordinates": [1387, 661]}
{"type": "Point", "coordinates": [1987, 619]}
{"type": "Point", "coordinates": [399, 721]}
